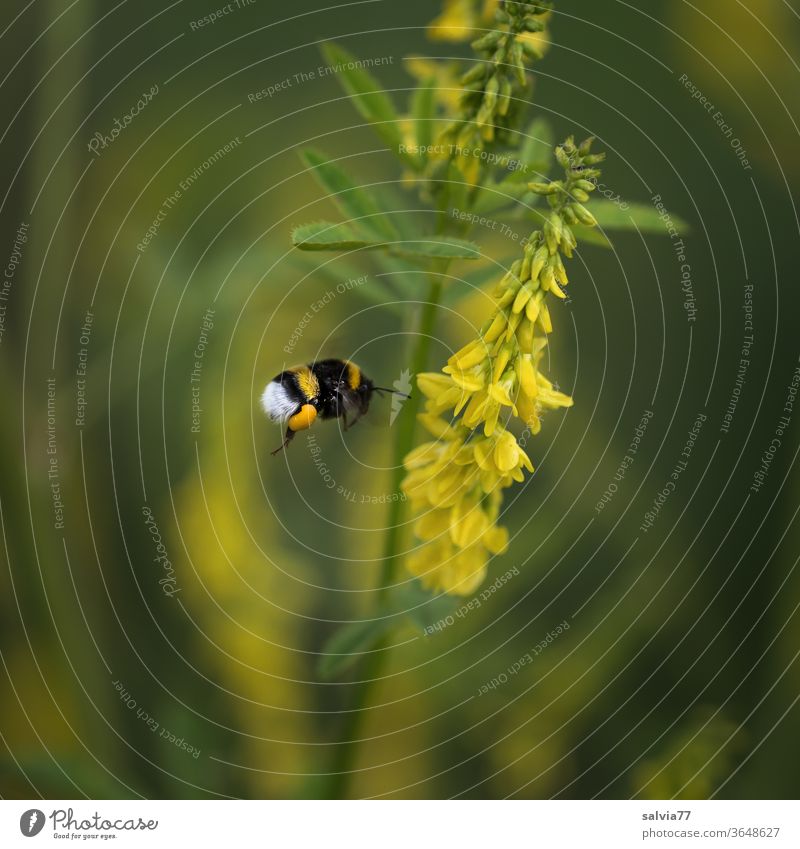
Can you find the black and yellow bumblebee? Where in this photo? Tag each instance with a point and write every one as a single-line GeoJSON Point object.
{"type": "Point", "coordinates": [328, 389]}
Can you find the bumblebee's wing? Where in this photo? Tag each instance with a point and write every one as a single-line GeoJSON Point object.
{"type": "Point", "coordinates": [351, 407]}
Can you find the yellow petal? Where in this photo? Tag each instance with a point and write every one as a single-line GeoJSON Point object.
{"type": "Point", "coordinates": [469, 356]}
{"type": "Point", "coordinates": [496, 539]}
{"type": "Point", "coordinates": [506, 452]}
{"type": "Point", "coordinates": [433, 384]}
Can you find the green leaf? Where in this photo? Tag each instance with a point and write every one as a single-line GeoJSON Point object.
{"type": "Point", "coordinates": [368, 98]}
{"type": "Point", "coordinates": [378, 289]}
{"type": "Point", "coordinates": [325, 236]}
{"type": "Point", "coordinates": [590, 236]}
{"type": "Point", "coordinates": [423, 608]}
{"type": "Point", "coordinates": [496, 197]}
{"type": "Point", "coordinates": [349, 643]}
{"type": "Point", "coordinates": [476, 281]}
{"type": "Point", "coordinates": [423, 111]}
{"type": "Point", "coordinates": [537, 147]}
{"type": "Point", "coordinates": [445, 247]}
{"type": "Point", "coordinates": [611, 216]}
{"type": "Point", "coordinates": [353, 201]}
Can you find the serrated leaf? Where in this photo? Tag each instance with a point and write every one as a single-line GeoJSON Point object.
{"type": "Point", "coordinates": [353, 201]}
{"type": "Point", "coordinates": [348, 645]}
{"type": "Point", "coordinates": [369, 98]}
{"type": "Point", "coordinates": [325, 236]}
{"type": "Point", "coordinates": [611, 216]}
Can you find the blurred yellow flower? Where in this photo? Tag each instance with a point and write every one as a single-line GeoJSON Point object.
{"type": "Point", "coordinates": [460, 18]}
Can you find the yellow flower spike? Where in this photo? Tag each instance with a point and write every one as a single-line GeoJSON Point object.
{"type": "Point", "coordinates": [526, 373]}
{"type": "Point", "coordinates": [498, 325]}
{"type": "Point", "coordinates": [464, 475]}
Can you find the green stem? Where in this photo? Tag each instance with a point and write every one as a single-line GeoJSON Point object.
{"type": "Point", "coordinates": [372, 665]}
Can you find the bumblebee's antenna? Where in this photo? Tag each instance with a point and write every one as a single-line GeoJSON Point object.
{"type": "Point", "coordinates": [392, 391]}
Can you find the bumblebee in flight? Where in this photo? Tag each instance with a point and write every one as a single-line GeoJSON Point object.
{"type": "Point", "coordinates": [328, 389]}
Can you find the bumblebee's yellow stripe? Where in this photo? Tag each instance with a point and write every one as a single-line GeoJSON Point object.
{"type": "Point", "coordinates": [307, 381]}
{"type": "Point", "coordinates": [353, 375]}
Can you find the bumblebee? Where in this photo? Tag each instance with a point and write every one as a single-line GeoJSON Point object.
{"type": "Point", "coordinates": [328, 389]}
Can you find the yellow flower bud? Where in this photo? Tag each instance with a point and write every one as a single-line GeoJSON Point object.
{"type": "Point", "coordinates": [539, 259]}
{"type": "Point", "coordinates": [523, 296]}
{"type": "Point", "coordinates": [496, 328]}
{"type": "Point", "coordinates": [583, 215]}
{"type": "Point", "coordinates": [544, 319]}
{"type": "Point", "coordinates": [525, 335]}
{"type": "Point", "coordinates": [532, 309]}
{"type": "Point", "coordinates": [500, 362]}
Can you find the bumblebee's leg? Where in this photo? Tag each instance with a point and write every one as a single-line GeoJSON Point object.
{"type": "Point", "coordinates": [301, 420]}
{"type": "Point", "coordinates": [286, 441]}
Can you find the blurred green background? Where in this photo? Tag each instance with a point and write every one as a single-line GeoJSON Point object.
{"type": "Point", "coordinates": [678, 674]}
